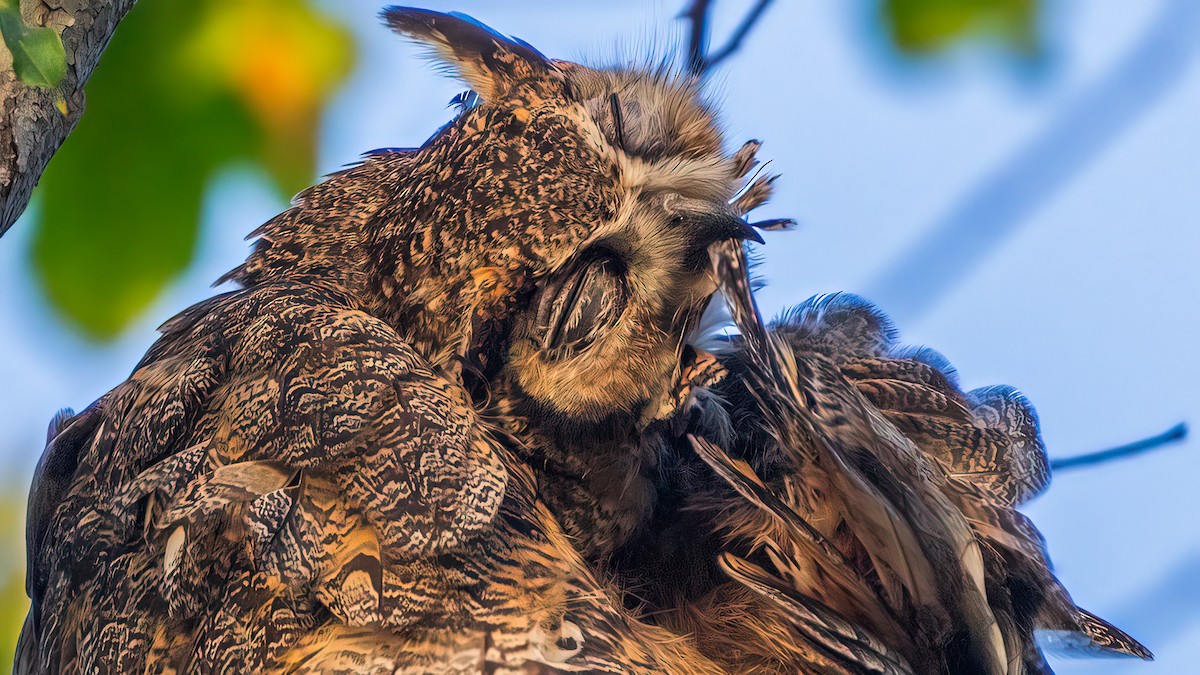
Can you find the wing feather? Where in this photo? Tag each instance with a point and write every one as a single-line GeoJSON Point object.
{"type": "Point", "coordinates": [989, 458]}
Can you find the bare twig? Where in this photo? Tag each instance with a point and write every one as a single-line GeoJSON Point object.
{"type": "Point", "coordinates": [1173, 435]}
{"type": "Point", "coordinates": [700, 58]}
{"type": "Point", "coordinates": [697, 15]}
{"type": "Point", "coordinates": [31, 126]}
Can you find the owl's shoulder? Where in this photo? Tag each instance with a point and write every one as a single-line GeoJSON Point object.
{"type": "Point", "coordinates": [281, 394]}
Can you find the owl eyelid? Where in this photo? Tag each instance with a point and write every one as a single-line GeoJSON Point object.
{"type": "Point", "coordinates": [614, 102]}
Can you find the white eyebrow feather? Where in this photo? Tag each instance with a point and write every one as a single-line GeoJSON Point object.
{"type": "Point", "coordinates": [710, 178]}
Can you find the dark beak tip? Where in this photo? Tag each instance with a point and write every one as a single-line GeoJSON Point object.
{"type": "Point", "coordinates": [746, 231]}
{"type": "Point", "coordinates": [711, 228]}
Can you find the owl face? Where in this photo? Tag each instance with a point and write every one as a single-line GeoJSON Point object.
{"type": "Point", "coordinates": [589, 199]}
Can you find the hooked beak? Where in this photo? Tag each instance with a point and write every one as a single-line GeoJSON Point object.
{"type": "Point", "coordinates": [706, 228]}
{"type": "Point", "coordinates": [706, 224]}
{"type": "Point", "coordinates": [721, 226]}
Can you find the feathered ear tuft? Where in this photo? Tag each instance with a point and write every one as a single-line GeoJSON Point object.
{"type": "Point", "coordinates": [493, 65]}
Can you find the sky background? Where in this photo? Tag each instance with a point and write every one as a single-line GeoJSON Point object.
{"type": "Point", "coordinates": [1037, 225]}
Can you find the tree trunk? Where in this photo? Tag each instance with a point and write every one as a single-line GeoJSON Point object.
{"type": "Point", "coordinates": [32, 127]}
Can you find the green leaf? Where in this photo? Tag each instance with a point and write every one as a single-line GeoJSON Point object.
{"type": "Point", "coordinates": [38, 57]}
{"type": "Point", "coordinates": [13, 603]}
{"type": "Point", "coordinates": [927, 26]}
{"type": "Point", "coordinates": [184, 90]}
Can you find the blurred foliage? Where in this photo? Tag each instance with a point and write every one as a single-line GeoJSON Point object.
{"type": "Point", "coordinates": [13, 602]}
{"type": "Point", "coordinates": [184, 89]}
{"type": "Point", "coordinates": [927, 26]}
{"type": "Point", "coordinates": [38, 57]}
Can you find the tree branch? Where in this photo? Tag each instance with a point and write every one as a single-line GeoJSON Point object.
{"type": "Point", "coordinates": [31, 126]}
{"type": "Point", "coordinates": [1173, 435]}
{"type": "Point", "coordinates": [697, 46]}
{"type": "Point", "coordinates": [700, 59]}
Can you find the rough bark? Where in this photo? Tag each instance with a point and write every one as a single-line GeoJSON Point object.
{"type": "Point", "coordinates": [31, 125]}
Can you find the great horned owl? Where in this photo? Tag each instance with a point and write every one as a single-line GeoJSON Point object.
{"type": "Point", "coordinates": [339, 466]}
{"type": "Point", "coordinates": [457, 420]}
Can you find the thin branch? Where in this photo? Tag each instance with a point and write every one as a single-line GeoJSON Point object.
{"type": "Point", "coordinates": [739, 35]}
{"type": "Point", "coordinates": [697, 16]}
{"type": "Point", "coordinates": [31, 126]}
{"type": "Point", "coordinates": [1173, 435]}
{"type": "Point", "coordinates": [700, 59]}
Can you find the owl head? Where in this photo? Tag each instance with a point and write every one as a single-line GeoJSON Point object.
{"type": "Point", "coordinates": [555, 231]}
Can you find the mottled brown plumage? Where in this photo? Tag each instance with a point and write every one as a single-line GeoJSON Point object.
{"type": "Point", "coordinates": [344, 465]}
{"type": "Point", "coordinates": [459, 417]}
{"type": "Point", "coordinates": [877, 522]}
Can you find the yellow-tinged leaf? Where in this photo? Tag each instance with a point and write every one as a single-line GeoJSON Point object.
{"type": "Point", "coordinates": [13, 603]}
{"type": "Point", "coordinates": [282, 60]}
{"type": "Point", "coordinates": [229, 82]}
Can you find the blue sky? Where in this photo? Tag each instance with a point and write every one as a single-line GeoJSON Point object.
{"type": "Point", "coordinates": [1069, 194]}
